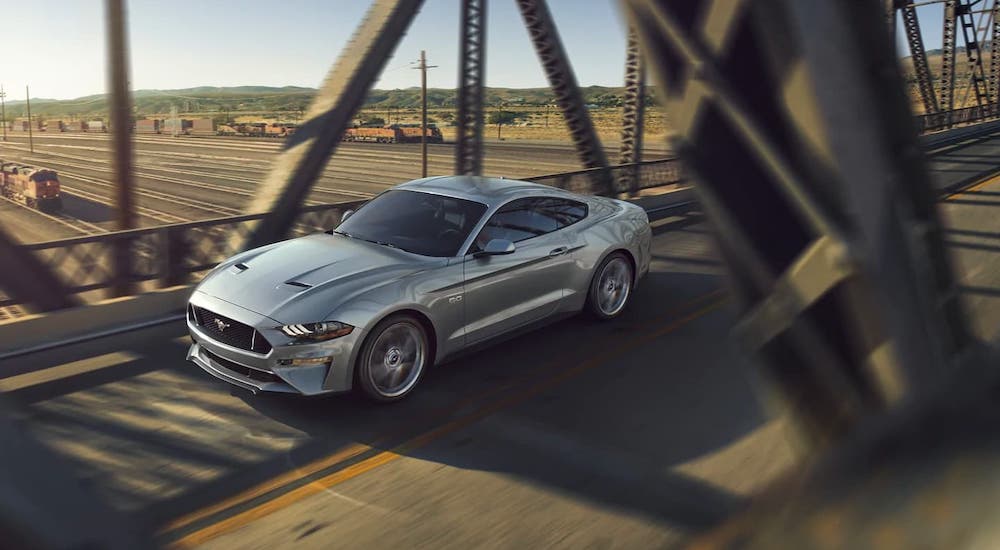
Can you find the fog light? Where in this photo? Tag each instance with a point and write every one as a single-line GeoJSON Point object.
{"type": "Point", "coordinates": [303, 361]}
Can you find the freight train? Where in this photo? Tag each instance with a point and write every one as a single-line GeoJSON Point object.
{"type": "Point", "coordinates": [257, 129]}
{"type": "Point", "coordinates": [396, 133]}
{"type": "Point", "coordinates": [35, 187]}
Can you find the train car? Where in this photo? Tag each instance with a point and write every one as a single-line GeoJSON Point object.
{"type": "Point", "coordinates": [278, 129]}
{"type": "Point", "coordinates": [35, 187]}
{"type": "Point", "coordinates": [388, 134]}
{"type": "Point", "coordinates": [147, 126]}
{"type": "Point", "coordinates": [411, 133]}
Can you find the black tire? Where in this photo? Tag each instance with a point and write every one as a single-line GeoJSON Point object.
{"type": "Point", "coordinates": [382, 344]}
{"type": "Point", "coordinates": [603, 299]}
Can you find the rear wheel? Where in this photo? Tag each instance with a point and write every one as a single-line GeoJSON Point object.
{"type": "Point", "coordinates": [392, 359]}
{"type": "Point", "coordinates": [611, 287]}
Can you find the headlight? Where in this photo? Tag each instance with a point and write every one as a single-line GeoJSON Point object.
{"type": "Point", "coordinates": [317, 332]}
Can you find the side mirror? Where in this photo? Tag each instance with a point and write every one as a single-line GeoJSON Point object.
{"type": "Point", "coordinates": [496, 247]}
{"type": "Point", "coordinates": [345, 215]}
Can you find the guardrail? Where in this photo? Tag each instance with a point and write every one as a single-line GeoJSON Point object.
{"type": "Point", "coordinates": [626, 178]}
{"type": "Point", "coordinates": [176, 254]}
{"type": "Point", "coordinates": [942, 121]}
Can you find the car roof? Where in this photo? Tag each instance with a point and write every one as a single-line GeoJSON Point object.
{"type": "Point", "coordinates": [489, 191]}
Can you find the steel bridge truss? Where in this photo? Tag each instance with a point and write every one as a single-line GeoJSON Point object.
{"type": "Point", "coordinates": [825, 213]}
{"type": "Point", "coordinates": [281, 196]}
{"type": "Point", "coordinates": [633, 109]}
{"type": "Point", "coordinates": [471, 78]}
{"type": "Point", "coordinates": [918, 54]}
{"type": "Point", "coordinates": [973, 51]}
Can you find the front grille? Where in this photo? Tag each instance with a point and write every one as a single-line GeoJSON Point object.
{"type": "Point", "coordinates": [253, 374]}
{"type": "Point", "coordinates": [230, 332]}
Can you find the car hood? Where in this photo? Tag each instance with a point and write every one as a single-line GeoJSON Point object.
{"type": "Point", "coordinates": [317, 273]}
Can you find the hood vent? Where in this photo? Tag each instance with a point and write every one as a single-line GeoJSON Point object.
{"type": "Point", "coordinates": [298, 284]}
{"type": "Point", "coordinates": [239, 268]}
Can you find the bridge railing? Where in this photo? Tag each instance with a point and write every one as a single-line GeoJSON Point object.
{"type": "Point", "coordinates": [166, 255]}
{"type": "Point", "coordinates": [967, 115]}
{"type": "Point", "coordinates": [178, 254]}
{"type": "Point", "coordinates": [626, 178]}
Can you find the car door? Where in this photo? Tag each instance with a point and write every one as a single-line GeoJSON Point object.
{"type": "Point", "coordinates": [504, 292]}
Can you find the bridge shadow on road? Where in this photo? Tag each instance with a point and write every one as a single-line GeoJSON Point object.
{"type": "Point", "coordinates": [651, 415]}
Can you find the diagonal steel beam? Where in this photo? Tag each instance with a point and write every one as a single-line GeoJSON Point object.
{"type": "Point", "coordinates": [308, 150]}
{"type": "Point", "coordinates": [973, 53]}
{"type": "Point", "coordinates": [918, 54]}
{"type": "Point", "coordinates": [29, 281]}
{"type": "Point", "coordinates": [947, 102]}
{"type": "Point", "coordinates": [471, 71]}
{"type": "Point", "coordinates": [633, 107]}
{"type": "Point", "coordinates": [545, 37]}
{"type": "Point", "coordinates": [995, 52]}
{"type": "Point", "coordinates": [822, 207]}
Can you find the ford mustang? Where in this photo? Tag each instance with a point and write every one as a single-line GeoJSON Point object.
{"type": "Point", "coordinates": [421, 272]}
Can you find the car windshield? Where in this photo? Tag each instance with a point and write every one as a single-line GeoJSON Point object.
{"type": "Point", "coordinates": [422, 223]}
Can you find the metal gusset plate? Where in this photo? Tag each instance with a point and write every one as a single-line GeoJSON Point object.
{"type": "Point", "coordinates": [308, 150]}
{"type": "Point", "coordinates": [471, 71]}
{"type": "Point", "coordinates": [555, 62]}
{"type": "Point", "coordinates": [792, 118]}
{"type": "Point", "coordinates": [633, 112]}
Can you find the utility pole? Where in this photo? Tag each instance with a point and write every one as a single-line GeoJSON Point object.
{"type": "Point", "coordinates": [499, 117]}
{"type": "Point", "coordinates": [423, 111]}
{"type": "Point", "coordinates": [31, 141]}
{"type": "Point", "coordinates": [3, 111]}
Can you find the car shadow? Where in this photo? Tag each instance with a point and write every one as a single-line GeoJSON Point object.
{"type": "Point", "coordinates": [555, 408]}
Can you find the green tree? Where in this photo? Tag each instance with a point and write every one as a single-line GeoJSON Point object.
{"type": "Point", "coordinates": [504, 117]}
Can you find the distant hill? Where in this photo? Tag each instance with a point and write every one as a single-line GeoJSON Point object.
{"type": "Point", "coordinates": [213, 100]}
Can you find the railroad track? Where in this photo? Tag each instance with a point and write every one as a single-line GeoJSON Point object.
{"type": "Point", "coordinates": [214, 208]}
{"type": "Point", "coordinates": [76, 224]}
{"type": "Point", "coordinates": [218, 175]}
{"type": "Point", "coordinates": [158, 215]}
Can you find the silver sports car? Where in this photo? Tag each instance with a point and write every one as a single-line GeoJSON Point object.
{"type": "Point", "coordinates": [419, 273]}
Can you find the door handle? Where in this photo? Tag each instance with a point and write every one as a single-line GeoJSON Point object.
{"type": "Point", "coordinates": [558, 251]}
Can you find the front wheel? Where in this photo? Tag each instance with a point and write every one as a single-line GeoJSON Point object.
{"type": "Point", "coordinates": [611, 287]}
{"type": "Point", "coordinates": [392, 359]}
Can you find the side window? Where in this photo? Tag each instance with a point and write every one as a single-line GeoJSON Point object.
{"type": "Point", "coordinates": [527, 218]}
{"type": "Point", "coordinates": [562, 212]}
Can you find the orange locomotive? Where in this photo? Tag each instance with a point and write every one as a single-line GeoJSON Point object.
{"type": "Point", "coordinates": [394, 133]}
{"type": "Point", "coordinates": [35, 187]}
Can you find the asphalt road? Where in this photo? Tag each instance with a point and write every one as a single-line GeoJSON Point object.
{"type": "Point", "coordinates": [629, 434]}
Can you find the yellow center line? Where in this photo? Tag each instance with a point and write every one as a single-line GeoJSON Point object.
{"type": "Point", "coordinates": [354, 450]}
{"type": "Point", "coordinates": [246, 517]}
{"type": "Point", "coordinates": [988, 181]}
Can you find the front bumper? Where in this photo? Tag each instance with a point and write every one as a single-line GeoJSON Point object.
{"type": "Point", "coordinates": [258, 372]}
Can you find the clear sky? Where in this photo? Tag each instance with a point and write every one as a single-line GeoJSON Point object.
{"type": "Point", "coordinates": [931, 19]}
{"type": "Point", "coordinates": [187, 43]}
